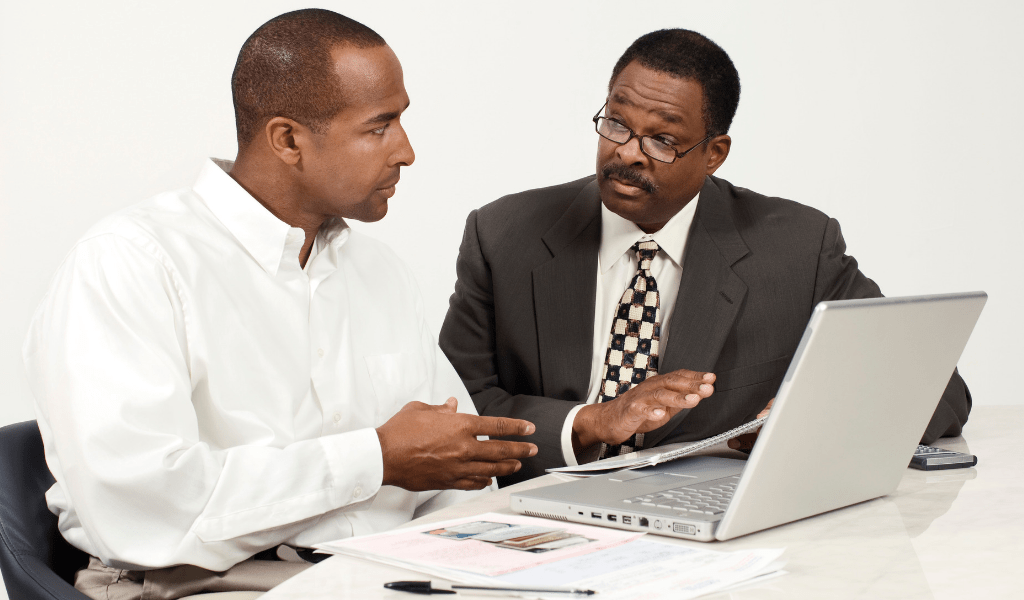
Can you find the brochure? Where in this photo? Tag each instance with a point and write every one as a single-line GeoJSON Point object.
{"type": "Point", "coordinates": [656, 455]}
{"type": "Point", "coordinates": [504, 550]}
{"type": "Point", "coordinates": [487, 545]}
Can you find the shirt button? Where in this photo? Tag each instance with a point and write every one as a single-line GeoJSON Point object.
{"type": "Point", "coordinates": [357, 492]}
{"type": "Point", "coordinates": [337, 417]}
{"type": "Point", "coordinates": [320, 351]}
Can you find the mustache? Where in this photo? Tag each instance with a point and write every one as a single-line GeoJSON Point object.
{"type": "Point", "coordinates": [630, 176]}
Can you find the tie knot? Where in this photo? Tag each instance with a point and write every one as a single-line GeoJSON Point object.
{"type": "Point", "coordinates": [645, 251]}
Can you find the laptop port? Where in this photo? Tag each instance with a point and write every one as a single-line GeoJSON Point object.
{"type": "Point", "coordinates": [685, 529]}
{"type": "Point", "coordinates": [595, 515]}
{"type": "Point", "coordinates": [627, 520]}
{"type": "Point", "coordinates": [643, 521]}
{"type": "Point", "coordinates": [611, 518]}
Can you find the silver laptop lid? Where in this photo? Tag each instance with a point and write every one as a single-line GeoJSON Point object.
{"type": "Point", "coordinates": [889, 360]}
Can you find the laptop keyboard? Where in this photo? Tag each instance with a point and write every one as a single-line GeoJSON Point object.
{"type": "Point", "coordinates": [708, 498]}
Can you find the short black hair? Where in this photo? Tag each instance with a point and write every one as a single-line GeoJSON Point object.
{"type": "Point", "coordinates": [285, 69]}
{"type": "Point", "coordinates": [689, 55]}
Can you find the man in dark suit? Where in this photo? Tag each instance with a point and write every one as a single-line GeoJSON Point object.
{"type": "Point", "coordinates": [719, 281]}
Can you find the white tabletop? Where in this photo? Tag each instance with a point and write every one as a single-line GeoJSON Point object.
{"type": "Point", "coordinates": [942, 534]}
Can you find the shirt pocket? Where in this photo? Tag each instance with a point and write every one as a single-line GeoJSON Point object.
{"type": "Point", "coordinates": [397, 379]}
{"type": "Point", "coordinates": [752, 374]}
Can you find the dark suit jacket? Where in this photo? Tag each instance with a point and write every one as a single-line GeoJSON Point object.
{"type": "Point", "coordinates": [519, 329]}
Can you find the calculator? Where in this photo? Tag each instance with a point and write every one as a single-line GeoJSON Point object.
{"type": "Point", "coordinates": [930, 458]}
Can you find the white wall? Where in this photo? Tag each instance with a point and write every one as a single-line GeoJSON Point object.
{"type": "Point", "coordinates": [901, 119]}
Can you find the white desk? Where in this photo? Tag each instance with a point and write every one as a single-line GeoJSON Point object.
{"type": "Point", "coordinates": [943, 534]}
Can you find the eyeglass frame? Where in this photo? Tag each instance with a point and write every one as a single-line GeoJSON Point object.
{"type": "Point", "coordinates": [641, 138]}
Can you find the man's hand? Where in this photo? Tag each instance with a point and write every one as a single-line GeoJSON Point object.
{"type": "Point", "coordinates": [745, 442]}
{"type": "Point", "coordinates": [643, 408]}
{"type": "Point", "coordinates": [435, 448]}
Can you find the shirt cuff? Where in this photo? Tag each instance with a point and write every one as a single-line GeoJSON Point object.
{"type": "Point", "coordinates": [356, 464]}
{"type": "Point", "coordinates": [567, 453]}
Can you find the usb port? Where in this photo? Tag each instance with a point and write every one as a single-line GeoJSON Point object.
{"type": "Point", "coordinates": [627, 520]}
{"type": "Point", "coordinates": [595, 515]}
{"type": "Point", "coordinates": [611, 517]}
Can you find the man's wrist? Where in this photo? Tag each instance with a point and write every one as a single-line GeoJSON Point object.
{"type": "Point", "coordinates": [385, 470]}
{"type": "Point", "coordinates": [584, 428]}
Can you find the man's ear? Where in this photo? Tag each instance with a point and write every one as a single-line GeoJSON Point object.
{"type": "Point", "coordinates": [718, 151]}
{"type": "Point", "coordinates": [284, 139]}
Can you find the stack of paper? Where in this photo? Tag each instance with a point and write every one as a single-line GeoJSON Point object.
{"type": "Point", "coordinates": [479, 548]}
{"type": "Point", "coordinates": [656, 455]}
{"type": "Point", "coordinates": [518, 551]}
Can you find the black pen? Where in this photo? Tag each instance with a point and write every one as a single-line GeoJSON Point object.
{"type": "Point", "coordinates": [484, 590]}
{"type": "Point", "coordinates": [424, 587]}
{"type": "Point", "coordinates": [415, 587]}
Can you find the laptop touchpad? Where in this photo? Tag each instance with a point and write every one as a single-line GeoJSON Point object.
{"type": "Point", "coordinates": [656, 479]}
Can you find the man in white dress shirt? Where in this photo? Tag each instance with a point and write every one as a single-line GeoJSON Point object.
{"type": "Point", "coordinates": [228, 368]}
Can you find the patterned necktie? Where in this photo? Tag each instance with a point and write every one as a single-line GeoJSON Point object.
{"type": "Point", "coordinates": [633, 345]}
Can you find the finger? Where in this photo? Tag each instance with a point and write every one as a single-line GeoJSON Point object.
{"type": "Point", "coordinates": [486, 469]}
{"type": "Point", "coordinates": [498, 450]}
{"type": "Point", "coordinates": [630, 414]}
{"type": "Point", "coordinates": [743, 442]}
{"type": "Point", "coordinates": [668, 398]}
{"type": "Point", "coordinates": [767, 409]}
{"type": "Point", "coordinates": [740, 445]}
{"type": "Point", "coordinates": [472, 483]}
{"type": "Point", "coordinates": [499, 426]}
{"type": "Point", "coordinates": [695, 376]}
{"type": "Point", "coordinates": [683, 383]}
{"type": "Point", "coordinates": [637, 410]}
{"type": "Point", "coordinates": [640, 420]}
{"type": "Point", "coordinates": [451, 405]}
{"type": "Point", "coordinates": [699, 376]}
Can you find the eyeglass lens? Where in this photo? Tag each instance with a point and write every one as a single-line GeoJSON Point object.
{"type": "Point", "coordinates": [620, 134]}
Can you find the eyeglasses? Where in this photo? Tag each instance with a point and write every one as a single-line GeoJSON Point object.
{"type": "Point", "coordinates": [661, 151]}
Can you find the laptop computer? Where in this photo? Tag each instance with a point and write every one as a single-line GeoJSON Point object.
{"type": "Point", "coordinates": [860, 390]}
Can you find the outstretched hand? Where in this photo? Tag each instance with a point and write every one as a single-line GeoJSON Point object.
{"type": "Point", "coordinates": [745, 442]}
{"type": "Point", "coordinates": [643, 408]}
{"type": "Point", "coordinates": [435, 448]}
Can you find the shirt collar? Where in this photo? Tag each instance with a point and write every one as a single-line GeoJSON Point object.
{"type": "Point", "coordinates": [269, 240]}
{"type": "Point", "coordinates": [618, 235]}
{"type": "Point", "coordinates": [332, 235]}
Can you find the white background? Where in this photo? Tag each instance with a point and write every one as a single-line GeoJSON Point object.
{"type": "Point", "coordinates": [901, 119]}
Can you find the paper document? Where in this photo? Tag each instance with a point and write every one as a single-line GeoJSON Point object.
{"type": "Point", "coordinates": [656, 455]}
{"type": "Point", "coordinates": [683, 575]}
{"type": "Point", "coordinates": [650, 569]}
{"type": "Point", "coordinates": [490, 544]}
{"type": "Point", "coordinates": [518, 551]}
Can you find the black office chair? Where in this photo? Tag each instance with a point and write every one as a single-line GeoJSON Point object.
{"type": "Point", "coordinates": [37, 563]}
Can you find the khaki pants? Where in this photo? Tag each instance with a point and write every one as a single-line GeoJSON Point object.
{"type": "Point", "coordinates": [100, 582]}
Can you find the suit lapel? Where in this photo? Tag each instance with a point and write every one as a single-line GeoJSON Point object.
{"type": "Point", "coordinates": [710, 294]}
{"type": "Point", "coordinates": [564, 290]}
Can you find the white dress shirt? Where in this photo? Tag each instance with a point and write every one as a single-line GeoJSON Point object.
{"type": "Point", "coordinates": [616, 266]}
{"type": "Point", "coordinates": [201, 396]}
